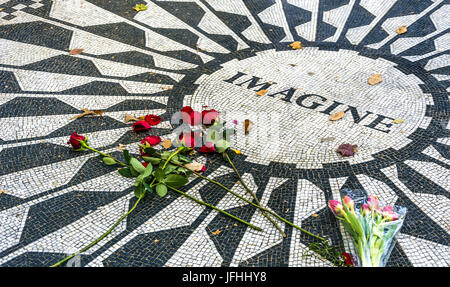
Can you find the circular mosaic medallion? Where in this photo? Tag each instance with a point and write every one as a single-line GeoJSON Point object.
{"type": "Point", "coordinates": [384, 64]}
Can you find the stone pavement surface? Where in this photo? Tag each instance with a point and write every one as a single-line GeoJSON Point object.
{"type": "Point", "coordinates": [219, 53]}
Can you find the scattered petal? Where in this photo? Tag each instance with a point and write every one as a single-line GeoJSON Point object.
{"type": "Point", "coordinates": [194, 166]}
{"type": "Point", "coordinates": [75, 51]}
{"type": "Point", "coordinates": [296, 45]}
{"type": "Point", "coordinates": [401, 30]}
{"type": "Point", "coordinates": [121, 147]}
{"type": "Point", "coordinates": [153, 120]}
{"type": "Point", "coordinates": [216, 232]}
{"type": "Point", "coordinates": [235, 122]}
{"type": "Point", "coordinates": [167, 143]}
{"type": "Point", "coordinates": [337, 116]}
{"type": "Point", "coordinates": [247, 125]}
{"type": "Point", "coordinates": [347, 149]}
{"type": "Point", "coordinates": [237, 151]}
{"type": "Point", "coordinates": [130, 118]}
{"type": "Point", "coordinates": [261, 92]}
{"type": "Point", "coordinates": [141, 126]}
{"type": "Point", "coordinates": [375, 79]}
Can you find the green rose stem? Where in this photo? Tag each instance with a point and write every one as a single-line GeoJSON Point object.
{"type": "Point", "coordinates": [99, 152]}
{"type": "Point", "coordinates": [253, 195]}
{"type": "Point", "coordinates": [218, 209]}
{"type": "Point", "coordinates": [248, 201]}
{"type": "Point", "coordinates": [102, 236]}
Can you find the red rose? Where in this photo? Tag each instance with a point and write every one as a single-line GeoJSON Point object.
{"type": "Point", "coordinates": [152, 140]}
{"type": "Point", "coordinates": [153, 120]}
{"type": "Point", "coordinates": [347, 258]}
{"type": "Point", "coordinates": [189, 138]}
{"type": "Point", "coordinates": [144, 164]}
{"type": "Point", "coordinates": [141, 126]}
{"type": "Point", "coordinates": [209, 117]}
{"type": "Point", "coordinates": [208, 148]}
{"type": "Point", "coordinates": [190, 116]}
{"type": "Point", "coordinates": [74, 140]}
{"type": "Point", "coordinates": [203, 169]}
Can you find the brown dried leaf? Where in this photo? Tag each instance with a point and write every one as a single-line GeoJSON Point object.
{"type": "Point", "coordinates": [337, 116]}
{"type": "Point", "coordinates": [261, 92]}
{"type": "Point", "coordinates": [328, 139]}
{"type": "Point", "coordinates": [129, 117]}
{"type": "Point", "coordinates": [216, 232]}
{"type": "Point", "coordinates": [374, 79]}
{"type": "Point", "coordinates": [194, 166]}
{"type": "Point", "coordinates": [296, 45]}
{"type": "Point", "coordinates": [397, 121]}
{"type": "Point", "coordinates": [75, 51]}
{"type": "Point", "coordinates": [84, 113]}
{"type": "Point", "coordinates": [98, 112]}
{"type": "Point", "coordinates": [166, 143]}
{"type": "Point", "coordinates": [401, 30]}
{"type": "Point", "coordinates": [3, 191]}
{"type": "Point", "coordinates": [166, 88]}
{"type": "Point", "coordinates": [235, 224]}
{"type": "Point", "coordinates": [142, 118]}
{"type": "Point", "coordinates": [247, 125]}
{"type": "Point", "coordinates": [315, 215]}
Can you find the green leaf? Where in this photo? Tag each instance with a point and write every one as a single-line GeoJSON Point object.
{"type": "Point", "coordinates": [222, 145]}
{"type": "Point", "coordinates": [182, 170]}
{"type": "Point", "coordinates": [147, 187]}
{"type": "Point", "coordinates": [126, 155]}
{"type": "Point", "coordinates": [169, 168]}
{"type": "Point", "coordinates": [137, 165]}
{"type": "Point", "coordinates": [108, 160]}
{"type": "Point", "coordinates": [175, 180]}
{"type": "Point", "coordinates": [161, 190]}
{"type": "Point", "coordinates": [151, 151]}
{"type": "Point", "coordinates": [139, 190]}
{"type": "Point", "coordinates": [159, 174]}
{"type": "Point", "coordinates": [139, 180]}
{"type": "Point", "coordinates": [133, 172]}
{"type": "Point", "coordinates": [165, 155]}
{"type": "Point", "coordinates": [185, 158]}
{"type": "Point", "coordinates": [152, 160]}
{"type": "Point", "coordinates": [125, 172]}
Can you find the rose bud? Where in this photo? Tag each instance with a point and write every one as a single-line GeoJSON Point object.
{"type": "Point", "coordinates": [336, 207]}
{"type": "Point", "coordinates": [141, 126]}
{"type": "Point", "coordinates": [203, 169]}
{"type": "Point", "coordinates": [153, 120]}
{"type": "Point", "coordinates": [348, 258]}
{"type": "Point", "coordinates": [75, 140]}
{"type": "Point", "coordinates": [348, 202]}
{"type": "Point", "coordinates": [209, 117]}
{"type": "Point", "coordinates": [208, 148]}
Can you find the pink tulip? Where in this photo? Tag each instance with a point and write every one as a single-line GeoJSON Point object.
{"type": "Point", "coordinates": [373, 202]}
{"type": "Point", "coordinates": [348, 201]}
{"type": "Point", "coordinates": [365, 209]}
{"type": "Point", "coordinates": [336, 207]}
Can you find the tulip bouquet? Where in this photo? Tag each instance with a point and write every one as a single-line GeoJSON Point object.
{"type": "Point", "coordinates": [372, 228]}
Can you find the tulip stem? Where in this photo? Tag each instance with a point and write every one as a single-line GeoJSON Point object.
{"type": "Point", "coordinates": [253, 195]}
{"type": "Point", "coordinates": [218, 209]}
{"type": "Point", "coordinates": [102, 236]}
{"type": "Point", "coordinates": [103, 154]}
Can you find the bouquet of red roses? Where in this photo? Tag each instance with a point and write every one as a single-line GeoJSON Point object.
{"type": "Point", "coordinates": [371, 227]}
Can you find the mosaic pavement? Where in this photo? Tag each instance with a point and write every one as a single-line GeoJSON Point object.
{"type": "Point", "coordinates": [219, 53]}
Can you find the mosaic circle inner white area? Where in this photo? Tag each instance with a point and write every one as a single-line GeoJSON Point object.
{"type": "Point", "coordinates": [291, 121]}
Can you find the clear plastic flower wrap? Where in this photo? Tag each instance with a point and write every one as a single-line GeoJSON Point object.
{"type": "Point", "coordinates": [372, 227]}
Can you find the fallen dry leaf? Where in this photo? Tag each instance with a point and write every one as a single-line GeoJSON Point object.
{"type": "Point", "coordinates": [140, 7]}
{"type": "Point", "coordinates": [194, 166]}
{"type": "Point", "coordinates": [293, 65]}
{"type": "Point", "coordinates": [216, 232]}
{"type": "Point", "coordinates": [247, 125]}
{"type": "Point", "coordinates": [327, 139]}
{"type": "Point", "coordinates": [337, 116]}
{"type": "Point", "coordinates": [315, 215]}
{"type": "Point", "coordinates": [166, 143]}
{"type": "Point", "coordinates": [401, 30]}
{"type": "Point", "coordinates": [87, 112]}
{"type": "Point", "coordinates": [397, 121]}
{"type": "Point", "coordinates": [261, 92]}
{"type": "Point", "coordinates": [347, 149]}
{"type": "Point", "coordinates": [296, 45]}
{"type": "Point", "coordinates": [374, 79]}
{"type": "Point", "coordinates": [235, 224]}
{"type": "Point", "coordinates": [75, 51]}
{"type": "Point", "coordinates": [142, 118]}
{"type": "Point", "coordinates": [3, 191]}
{"type": "Point", "coordinates": [237, 151]}
{"type": "Point", "coordinates": [129, 117]}
{"type": "Point", "coordinates": [166, 87]}
{"type": "Point", "coordinates": [121, 147]}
